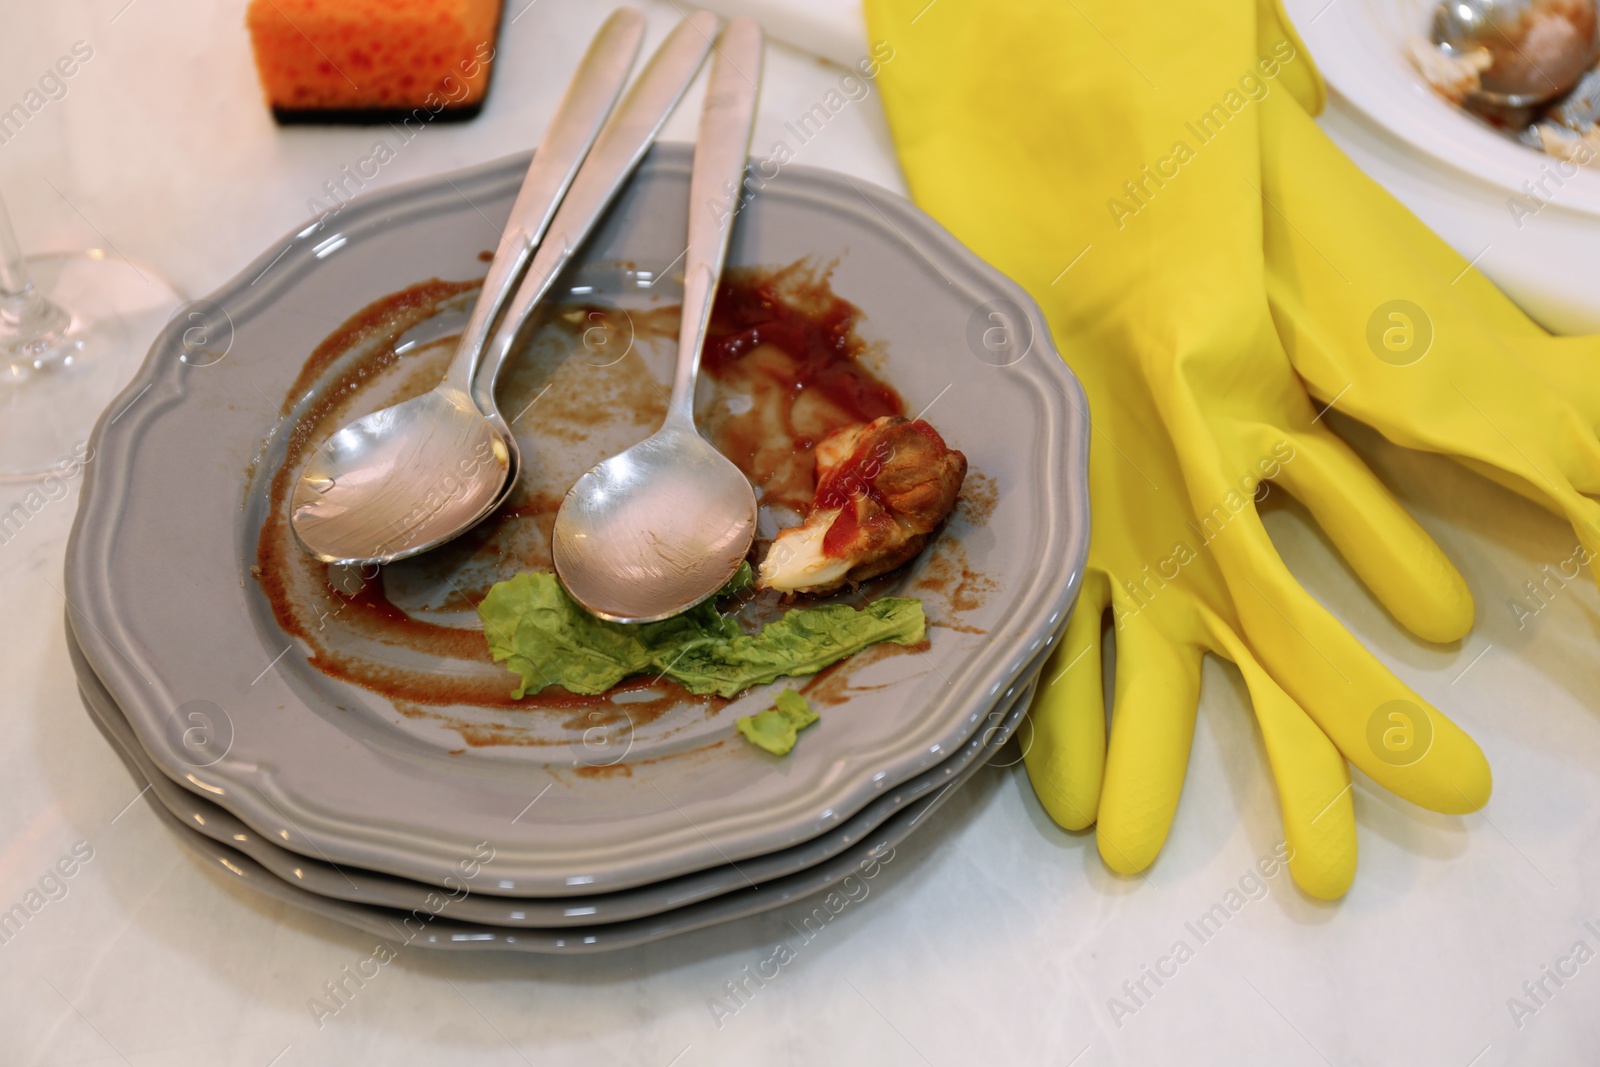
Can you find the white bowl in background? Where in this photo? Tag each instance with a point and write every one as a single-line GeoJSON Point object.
{"type": "Point", "coordinates": [1458, 175]}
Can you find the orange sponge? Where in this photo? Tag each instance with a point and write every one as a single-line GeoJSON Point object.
{"type": "Point", "coordinates": [373, 60]}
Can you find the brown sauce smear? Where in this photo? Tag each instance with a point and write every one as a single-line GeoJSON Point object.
{"type": "Point", "coordinates": [948, 573]}
{"type": "Point", "coordinates": [625, 769]}
{"type": "Point", "coordinates": [786, 367]}
{"type": "Point", "coordinates": [782, 342]}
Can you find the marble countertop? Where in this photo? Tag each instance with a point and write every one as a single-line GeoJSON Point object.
{"type": "Point", "coordinates": [992, 936]}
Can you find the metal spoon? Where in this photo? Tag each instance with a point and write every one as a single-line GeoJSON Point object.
{"type": "Point", "coordinates": [1538, 48]}
{"type": "Point", "coordinates": [400, 480]}
{"type": "Point", "coordinates": [413, 476]}
{"type": "Point", "coordinates": [659, 528]}
{"type": "Point", "coordinates": [618, 151]}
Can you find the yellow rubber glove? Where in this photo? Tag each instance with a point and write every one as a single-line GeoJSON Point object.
{"type": "Point", "coordinates": [1060, 142]}
{"type": "Point", "coordinates": [1376, 311]}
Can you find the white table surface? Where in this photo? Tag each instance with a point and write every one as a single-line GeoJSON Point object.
{"type": "Point", "coordinates": [992, 937]}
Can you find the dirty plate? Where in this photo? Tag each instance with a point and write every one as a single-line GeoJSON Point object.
{"type": "Point", "coordinates": [370, 729]}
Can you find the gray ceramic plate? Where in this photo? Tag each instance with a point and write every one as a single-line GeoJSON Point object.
{"type": "Point", "coordinates": [172, 620]}
{"type": "Point", "coordinates": [446, 922]}
{"type": "Point", "coordinates": [368, 887]}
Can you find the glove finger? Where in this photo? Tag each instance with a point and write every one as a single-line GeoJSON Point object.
{"type": "Point", "coordinates": [1387, 548]}
{"type": "Point", "coordinates": [1152, 724]}
{"type": "Point", "coordinates": [1313, 780]}
{"type": "Point", "coordinates": [1579, 510]}
{"type": "Point", "coordinates": [1344, 688]}
{"type": "Point", "coordinates": [1066, 754]}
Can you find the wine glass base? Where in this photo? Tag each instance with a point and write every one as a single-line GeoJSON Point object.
{"type": "Point", "coordinates": [52, 391]}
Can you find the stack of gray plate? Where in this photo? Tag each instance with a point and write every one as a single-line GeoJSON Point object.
{"type": "Point", "coordinates": [484, 824]}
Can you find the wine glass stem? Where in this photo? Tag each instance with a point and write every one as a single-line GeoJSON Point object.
{"type": "Point", "coordinates": [30, 325]}
{"type": "Point", "coordinates": [15, 281]}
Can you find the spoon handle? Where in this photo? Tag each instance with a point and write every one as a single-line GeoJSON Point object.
{"type": "Point", "coordinates": [716, 193]}
{"type": "Point", "coordinates": [622, 143]}
{"type": "Point", "coordinates": [588, 100]}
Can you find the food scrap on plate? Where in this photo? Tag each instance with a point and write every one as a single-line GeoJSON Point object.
{"type": "Point", "coordinates": [882, 489]}
{"type": "Point", "coordinates": [776, 729]}
{"type": "Point", "coordinates": [542, 635]}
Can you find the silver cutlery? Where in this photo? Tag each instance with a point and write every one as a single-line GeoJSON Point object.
{"type": "Point", "coordinates": [662, 526]}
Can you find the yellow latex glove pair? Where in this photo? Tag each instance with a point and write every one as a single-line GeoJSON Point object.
{"type": "Point", "coordinates": [1115, 160]}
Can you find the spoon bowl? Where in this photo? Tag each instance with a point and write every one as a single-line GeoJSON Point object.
{"type": "Point", "coordinates": [391, 483]}
{"type": "Point", "coordinates": [659, 528]}
{"type": "Point", "coordinates": [698, 513]}
{"type": "Point", "coordinates": [1538, 49]}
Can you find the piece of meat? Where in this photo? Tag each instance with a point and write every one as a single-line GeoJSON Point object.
{"type": "Point", "coordinates": [882, 488]}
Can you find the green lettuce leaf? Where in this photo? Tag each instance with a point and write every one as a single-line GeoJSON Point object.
{"type": "Point", "coordinates": [546, 639]}
{"type": "Point", "coordinates": [777, 728]}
